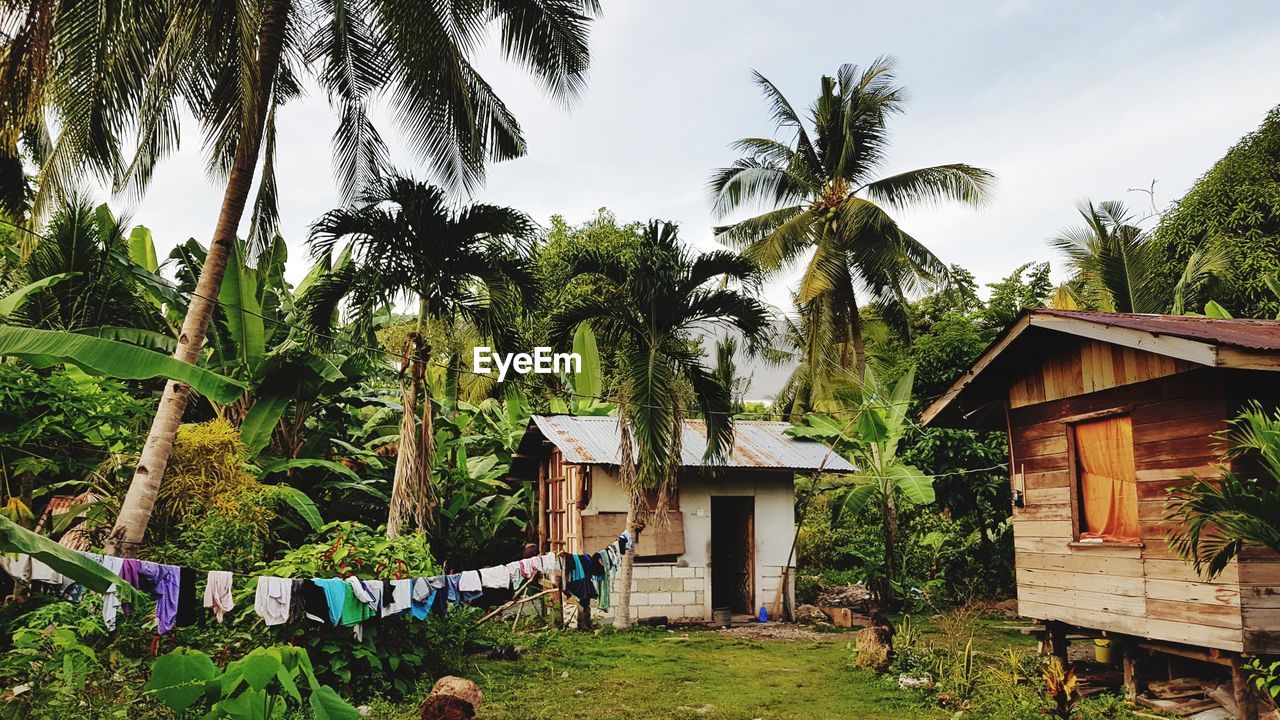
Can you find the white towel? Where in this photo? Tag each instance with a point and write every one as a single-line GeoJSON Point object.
{"type": "Point", "coordinates": [43, 573]}
{"type": "Point", "coordinates": [272, 599]}
{"type": "Point", "coordinates": [400, 599]}
{"type": "Point", "coordinates": [110, 599]}
{"type": "Point", "coordinates": [217, 593]}
{"type": "Point", "coordinates": [470, 582]}
{"type": "Point", "coordinates": [497, 576]}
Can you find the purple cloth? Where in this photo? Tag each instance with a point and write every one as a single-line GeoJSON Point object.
{"type": "Point", "coordinates": [130, 573]}
{"type": "Point", "coordinates": [165, 586]}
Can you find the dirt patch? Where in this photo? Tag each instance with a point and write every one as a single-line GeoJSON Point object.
{"type": "Point", "coordinates": [780, 631]}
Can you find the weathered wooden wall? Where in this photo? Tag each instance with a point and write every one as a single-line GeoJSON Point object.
{"type": "Point", "coordinates": [1142, 590]}
{"type": "Point", "coordinates": [1074, 366]}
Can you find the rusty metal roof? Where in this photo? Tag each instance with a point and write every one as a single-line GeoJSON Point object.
{"type": "Point", "coordinates": [756, 444]}
{"type": "Point", "coordinates": [1243, 333]}
{"type": "Point", "coordinates": [1212, 342]}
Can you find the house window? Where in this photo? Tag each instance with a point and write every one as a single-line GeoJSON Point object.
{"type": "Point", "coordinates": [1106, 484]}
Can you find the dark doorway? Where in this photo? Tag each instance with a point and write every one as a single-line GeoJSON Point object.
{"type": "Point", "coordinates": [733, 553]}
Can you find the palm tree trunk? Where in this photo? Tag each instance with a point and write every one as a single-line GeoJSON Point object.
{"type": "Point", "coordinates": [135, 511]}
{"type": "Point", "coordinates": [859, 342]}
{"type": "Point", "coordinates": [408, 460]}
{"type": "Point", "coordinates": [890, 528]}
{"type": "Point", "coordinates": [627, 476]}
{"type": "Point", "coordinates": [622, 609]}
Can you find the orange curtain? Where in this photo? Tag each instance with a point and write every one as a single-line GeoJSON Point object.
{"type": "Point", "coordinates": [1108, 484]}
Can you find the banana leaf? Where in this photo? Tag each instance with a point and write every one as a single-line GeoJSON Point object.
{"type": "Point", "coordinates": [16, 539]}
{"type": "Point", "coordinates": [44, 348]}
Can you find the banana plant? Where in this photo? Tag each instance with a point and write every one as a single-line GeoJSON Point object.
{"type": "Point", "coordinates": [870, 442]}
{"type": "Point", "coordinates": [586, 387]}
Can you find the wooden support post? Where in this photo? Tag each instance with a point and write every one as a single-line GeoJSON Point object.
{"type": "Point", "coordinates": [1242, 688]}
{"type": "Point", "coordinates": [1130, 650]}
{"type": "Point", "coordinates": [1057, 632]}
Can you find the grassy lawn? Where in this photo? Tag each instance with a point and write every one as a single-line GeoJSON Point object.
{"type": "Point", "coordinates": [657, 674]}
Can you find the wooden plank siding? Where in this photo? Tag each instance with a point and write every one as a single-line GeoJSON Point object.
{"type": "Point", "coordinates": [1142, 590]}
{"type": "Point", "coordinates": [1076, 367]}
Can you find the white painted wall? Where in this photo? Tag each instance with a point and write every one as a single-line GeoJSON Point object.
{"type": "Point", "coordinates": [682, 590]}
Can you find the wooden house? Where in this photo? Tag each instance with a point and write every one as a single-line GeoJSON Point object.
{"type": "Point", "coordinates": [727, 539]}
{"type": "Point", "coordinates": [1104, 413]}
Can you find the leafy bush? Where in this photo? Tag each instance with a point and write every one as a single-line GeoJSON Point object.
{"type": "Point", "coordinates": [50, 673]}
{"type": "Point", "coordinates": [258, 686]}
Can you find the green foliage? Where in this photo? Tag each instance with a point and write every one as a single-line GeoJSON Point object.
{"type": "Point", "coordinates": [396, 652]}
{"type": "Point", "coordinates": [1236, 206]}
{"type": "Point", "coordinates": [262, 685]}
{"type": "Point", "coordinates": [56, 426]}
{"type": "Point", "coordinates": [1265, 675]}
{"type": "Point", "coordinates": [46, 348]}
{"type": "Point", "coordinates": [211, 511]}
{"type": "Point", "coordinates": [1211, 520]}
{"type": "Point", "coordinates": [1115, 264]}
{"type": "Point", "coordinates": [1027, 287]}
{"type": "Point", "coordinates": [51, 674]}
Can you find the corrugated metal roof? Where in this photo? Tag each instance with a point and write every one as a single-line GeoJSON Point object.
{"type": "Point", "coordinates": [756, 444]}
{"type": "Point", "coordinates": [1243, 333]}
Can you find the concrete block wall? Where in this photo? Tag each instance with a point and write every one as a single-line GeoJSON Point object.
{"type": "Point", "coordinates": [668, 590]}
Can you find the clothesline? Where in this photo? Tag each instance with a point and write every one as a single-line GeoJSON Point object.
{"type": "Point", "coordinates": [341, 601]}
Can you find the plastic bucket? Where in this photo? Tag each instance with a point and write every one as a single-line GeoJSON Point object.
{"type": "Point", "coordinates": [1102, 651]}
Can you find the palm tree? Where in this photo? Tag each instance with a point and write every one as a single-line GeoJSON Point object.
{"type": "Point", "coordinates": [825, 206]}
{"type": "Point", "coordinates": [95, 74]}
{"type": "Point", "coordinates": [88, 242]}
{"type": "Point", "coordinates": [1115, 265]}
{"type": "Point", "coordinates": [649, 310]}
{"type": "Point", "coordinates": [1213, 520]}
{"type": "Point", "coordinates": [467, 265]}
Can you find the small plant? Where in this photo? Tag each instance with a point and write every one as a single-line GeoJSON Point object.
{"type": "Point", "coordinates": [1063, 689]}
{"type": "Point", "coordinates": [1266, 676]}
{"type": "Point", "coordinates": [907, 635]}
{"type": "Point", "coordinates": [964, 676]}
{"type": "Point", "coordinates": [258, 686]}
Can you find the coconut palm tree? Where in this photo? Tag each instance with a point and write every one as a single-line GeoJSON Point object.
{"type": "Point", "coordinates": [464, 265]}
{"type": "Point", "coordinates": [1115, 264]}
{"type": "Point", "coordinates": [648, 310]}
{"type": "Point", "coordinates": [88, 242]}
{"type": "Point", "coordinates": [95, 74]}
{"type": "Point", "coordinates": [1213, 520]}
{"type": "Point", "coordinates": [826, 207]}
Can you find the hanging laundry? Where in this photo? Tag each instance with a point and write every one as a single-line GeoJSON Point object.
{"type": "Point", "coordinates": [40, 572]}
{"type": "Point", "coordinates": [367, 594]}
{"type": "Point", "coordinates": [129, 573]}
{"type": "Point", "coordinates": [397, 597]}
{"type": "Point", "coordinates": [315, 602]}
{"type": "Point", "coordinates": [187, 602]}
{"type": "Point", "coordinates": [515, 573]}
{"type": "Point", "coordinates": [110, 599]}
{"type": "Point", "coordinates": [603, 589]}
{"type": "Point", "coordinates": [579, 585]}
{"type": "Point", "coordinates": [217, 593]}
{"type": "Point", "coordinates": [18, 565]}
{"type": "Point", "coordinates": [420, 598]}
{"type": "Point", "coordinates": [495, 577]}
{"type": "Point", "coordinates": [272, 599]}
{"type": "Point", "coordinates": [549, 564]}
{"type": "Point", "coordinates": [469, 581]}
{"type": "Point", "coordinates": [337, 594]}
{"type": "Point", "coordinates": [165, 581]}
{"type": "Point", "coordinates": [298, 600]}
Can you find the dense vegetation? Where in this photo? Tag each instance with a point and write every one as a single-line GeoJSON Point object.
{"type": "Point", "coordinates": [200, 409]}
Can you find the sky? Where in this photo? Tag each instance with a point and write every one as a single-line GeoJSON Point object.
{"type": "Point", "coordinates": [1061, 100]}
